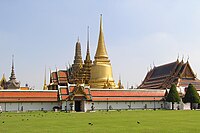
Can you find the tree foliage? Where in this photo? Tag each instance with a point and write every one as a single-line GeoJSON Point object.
{"type": "Point", "coordinates": [191, 95]}
{"type": "Point", "coordinates": [173, 95]}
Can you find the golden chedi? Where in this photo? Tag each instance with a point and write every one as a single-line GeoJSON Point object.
{"type": "Point", "coordinates": [101, 70]}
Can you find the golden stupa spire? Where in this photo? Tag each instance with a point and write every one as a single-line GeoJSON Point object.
{"type": "Point", "coordinates": [101, 48]}
{"type": "Point", "coordinates": [101, 70]}
{"type": "Point", "coordinates": [3, 82]}
{"type": "Point", "coordinates": [45, 81]}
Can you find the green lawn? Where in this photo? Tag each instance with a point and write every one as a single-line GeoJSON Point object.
{"type": "Point", "coordinates": [103, 122]}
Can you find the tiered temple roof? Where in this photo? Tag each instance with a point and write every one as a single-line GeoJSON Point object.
{"type": "Point", "coordinates": [85, 71]}
{"type": "Point", "coordinates": [163, 76]}
{"type": "Point", "coordinates": [110, 94]}
{"type": "Point", "coordinates": [12, 83]}
{"type": "Point", "coordinates": [58, 78]}
{"type": "Point", "coordinates": [74, 76]}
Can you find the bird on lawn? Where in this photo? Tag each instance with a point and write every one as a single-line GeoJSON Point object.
{"type": "Point", "coordinates": [91, 124]}
{"type": "Point", "coordinates": [138, 122]}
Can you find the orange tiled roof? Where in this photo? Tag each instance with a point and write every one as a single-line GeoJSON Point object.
{"type": "Point", "coordinates": [86, 90]}
{"type": "Point", "coordinates": [28, 96]}
{"type": "Point", "coordinates": [71, 88]}
{"type": "Point", "coordinates": [126, 99]}
{"type": "Point", "coordinates": [62, 74]}
{"type": "Point", "coordinates": [63, 91]}
{"type": "Point", "coordinates": [124, 93]}
{"type": "Point", "coordinates": [64, 97]}
{"type": "Point", "coordinates": [54, 75]}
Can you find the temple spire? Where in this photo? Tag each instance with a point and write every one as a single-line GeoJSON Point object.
{"type": "Point", "coordinates": [78, 56]}
{"type": "Point", "coordinates": [101, 48]}
{"type": "Point", "coordinates": [85, 72]}
{"type": "Point", "coordinates": [12, 83]}
{"type": "Point", "coordinates": [45, 81]}
{"type": "Point", "coordinates": [101, 70]}
{"type": "Point", "coordinates": [88, 47]}
{"type": "Point", "coordinates": [120, 86]}
{"type": "Point", "coordinates": [12, 71]}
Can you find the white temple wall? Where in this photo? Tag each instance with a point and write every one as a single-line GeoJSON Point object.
{"type": "Point", "coordinates": [28, 106]}
{"type": "Point", "coordinates": [186, 106]}
{"type": "Point", "coordinates": [104, 105]}
{"type": "Point", "coordinates": [181, 106]}
{"type": "Point", "coordinates": [66, 106]}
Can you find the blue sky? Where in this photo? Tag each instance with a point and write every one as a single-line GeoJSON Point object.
{"type": "Point", "coordinates": [137, 33]}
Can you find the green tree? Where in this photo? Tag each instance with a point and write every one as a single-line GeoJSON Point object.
{"type": "Point", "coordinates": [191, 96]}
{"type": "Point", "coordinates": [173, 96]}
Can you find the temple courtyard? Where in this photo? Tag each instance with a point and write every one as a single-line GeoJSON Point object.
{"type": "Point", "coordinates": [126, 121]}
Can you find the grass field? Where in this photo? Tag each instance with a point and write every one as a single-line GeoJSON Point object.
{"type": "Point", "coordinates": [159, 121]}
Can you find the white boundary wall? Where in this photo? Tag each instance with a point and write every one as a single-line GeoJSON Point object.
{"type": "Point", "coordinates": [104, 105]}
{"type": "Point", "coordinates": [28, 106]}
{"type": "Point", "coordinates": [125, 105]}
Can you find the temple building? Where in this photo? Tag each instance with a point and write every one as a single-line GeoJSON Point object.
{"type": "Point", "coordinates": [12, 83]}
{"type": "Point", "coordinates": [178, 73]}
{"type": "Point", "coordinates": [97, 75]}
{"type": "Point", "coordinates": [88, 85]}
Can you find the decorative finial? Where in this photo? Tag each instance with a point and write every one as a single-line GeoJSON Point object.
{"type": "Point", "coordinates": [88, 37]}
{"type": "Point", "coordinates": [13, 61]}
{"type": "Point", "coordinates": [45, 81]}
{"type": "Point", "coordinates": [78, 39]}
{"type": "Point", "coordinates": [101, 20]}
{"type": "Point", "coordinates": [188, 58]}
{"type": "Point", "coordinates": [12, 77]}
{"type": "Point", "coordinates": [178, 57]}
{"type": "Point", "coordinates": [182, 57]}
{"type": "Point", "coordinates": [56, 68]}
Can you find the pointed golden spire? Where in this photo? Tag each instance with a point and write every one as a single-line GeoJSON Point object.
{"type": "Point", "coordinates": [3, 78]}
{"type": "Point", "coordinates": [101, 70]}
{"type": "Point", "coordinates": [120, 86]}
{"type": "Point", "coordinates": [101, 48]}
{"type": "Point", "coordinates": [45, 81]}
{"type": "Point", "coordinates": [3, 82]}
